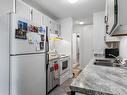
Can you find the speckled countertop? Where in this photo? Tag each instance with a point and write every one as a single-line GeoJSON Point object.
{"type": "Point", "coordinates": [53, 58]}
{"type": "Point", "coordinates": [57, 57]}
{"type": "Point", "coordinates": [101, 80]}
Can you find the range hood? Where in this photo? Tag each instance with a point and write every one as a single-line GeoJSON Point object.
{"type": "Point", "coordinates": [55, 37]}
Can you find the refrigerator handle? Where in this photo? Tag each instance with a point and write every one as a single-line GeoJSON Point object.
{"type": "Point", "coordinates": [47, 40]}
{"type": "Point", "coordinates": [47, 59]}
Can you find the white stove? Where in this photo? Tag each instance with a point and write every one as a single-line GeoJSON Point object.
{"type": "Point", "coordinates": [64, 68]}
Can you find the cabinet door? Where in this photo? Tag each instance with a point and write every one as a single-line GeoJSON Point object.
{"type": "Point", "coordinates": [52, 26]}
{"type": "Point", "coordinates": [59, 29]}
{"type": "Point", "coordinates": [112, 15]}
{"type": "Point", "coordinates": [109, 38]}
{"type": "Point", "coordinates": [37, 17]}
{"type": "Point", "coordinates": [43, 19]}
{"type": "Point", "coordinates": [47, 24]}
{"type": "Point", "coordinates": [55, 27]}
{"type": "Point", "coordinates": [23, 10]}
{"type": "Point", "coordinates": [50, 77]}
{"type": "Point", "coordinates": [46, 21]}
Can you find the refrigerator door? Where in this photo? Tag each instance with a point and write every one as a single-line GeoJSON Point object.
{"type": "Point", "coordinates": [4, 55]}
{"type": "Point", "coordinates": [30, 44]}
{"type": "Point", "coordinates": [28, 75]}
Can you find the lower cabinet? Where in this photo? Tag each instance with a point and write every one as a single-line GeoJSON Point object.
{"type": "Point", "coordinates": [53, 75]}
{"type": "Point", "coordinates": [64, 77]}
{"type": "Point", "coordinates": [50, 76]}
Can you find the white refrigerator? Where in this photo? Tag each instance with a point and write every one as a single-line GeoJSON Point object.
{"type": "Point", "coordinates": [27, 65]}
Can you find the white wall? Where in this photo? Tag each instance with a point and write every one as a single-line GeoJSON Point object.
{"type": "Point", "coordinates": [77, 28]}
{"type": "Point", "coordinates": [86, 45]}
{"type": "Point", "coordinates": [65, 46]}
{"type": "Point", "coordinates": [99, 32]}
{"type": "Point", "coordinates": [123, 47]}
{"type": "Point", "coordinates": [6, 6]}
{"type": "Point", "coordinates": [91, 38]}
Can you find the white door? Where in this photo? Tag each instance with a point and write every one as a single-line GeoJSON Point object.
{"type": "Point", "coordinates": [28, 75]}
{"type": "Point", "coordinates": [4, 55]}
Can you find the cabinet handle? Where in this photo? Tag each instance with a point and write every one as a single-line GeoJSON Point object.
{"type": "Point", "coordinates": [107, 27]}
{"type": "Point", "coordinates": [106, 19]}
{"type": "Point", "coordinates": [51, 69]}
{"type": "Point", "coordinates": [116, 7]}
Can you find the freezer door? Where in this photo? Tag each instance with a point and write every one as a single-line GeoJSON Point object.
{"type": "Point", "coordinates": [30, 44]}
{"type": "Point", "coordinates": [28, 75]}
{"type": "Point", "coordinates": [4, 55]}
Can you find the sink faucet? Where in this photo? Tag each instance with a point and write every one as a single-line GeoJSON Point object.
{"type": "Point", "coordinates": [118, 59]}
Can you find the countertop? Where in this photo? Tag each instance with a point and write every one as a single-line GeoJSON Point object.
{"type": "Point", "coordinates": [57, 57]}
{"type": "Point", "coordinates": [101, 80]}
{"type": "Point", "coordinates": [53, 58]}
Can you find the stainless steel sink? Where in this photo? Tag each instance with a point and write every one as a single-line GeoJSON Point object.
{"type": "Point", "coordinates": [104, 62]}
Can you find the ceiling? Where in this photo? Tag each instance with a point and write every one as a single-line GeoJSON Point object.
{"type": "Point", "coordinates": [57, 9]}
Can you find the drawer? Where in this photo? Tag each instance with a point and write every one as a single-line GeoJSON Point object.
{"type": "Point", "coordinates": [64, 77]}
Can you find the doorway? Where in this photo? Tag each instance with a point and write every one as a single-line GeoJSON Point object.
{"type": "Point", "coordinates": [76, 54]}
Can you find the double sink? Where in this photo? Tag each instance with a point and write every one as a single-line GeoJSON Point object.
{"type": "Point", "coordinates": [106, 62]}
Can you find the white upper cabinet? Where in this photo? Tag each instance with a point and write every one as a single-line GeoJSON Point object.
{"type": "Point", "coordinates": [23, 10]}
{"type": "Point", "coordinates": [116, 17]}
{"type": "Point", "coordinates": [109, 19]}
{"type": "Point", "coordinates": [57, 29]}
{"type": "Point", "coordinates": [37, 17]}
{"type": "Point", "coordinates": [27, 12]}
{"type": "Point", "coordinates": [48, 23]}
{"type": "Point", "coordinates": [53, 26]}
{"type": "Point", "coordinates": [43, 19]}
{"type": "Point", "coordinates": [6, 6]}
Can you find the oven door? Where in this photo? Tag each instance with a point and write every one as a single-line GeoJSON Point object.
{"type": "Point", "coordinates": [64, 65]}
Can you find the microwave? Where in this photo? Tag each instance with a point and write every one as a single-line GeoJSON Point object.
{"type": "Point", "coordinates": [111, 53]}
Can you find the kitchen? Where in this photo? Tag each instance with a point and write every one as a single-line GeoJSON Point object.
{"type": "Point", "coordinates": [46, 51]}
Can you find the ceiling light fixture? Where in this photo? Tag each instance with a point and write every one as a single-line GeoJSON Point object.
{"type": "Point", "coordinates": [81, 23]}
{"type": "Point", "coordinates": [72, 1]}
